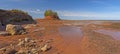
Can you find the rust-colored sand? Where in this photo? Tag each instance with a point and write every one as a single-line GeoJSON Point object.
{"type": "Point", "coordinates": [69, 38]}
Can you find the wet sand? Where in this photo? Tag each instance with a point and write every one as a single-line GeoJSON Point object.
{"type": "Point", "coordinates": [114, 34]}
{"type": "Point", "coordinates": [72, 37]}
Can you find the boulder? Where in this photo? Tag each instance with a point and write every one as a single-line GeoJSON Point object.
{"type": "Point", "coordinates": [15, 29]}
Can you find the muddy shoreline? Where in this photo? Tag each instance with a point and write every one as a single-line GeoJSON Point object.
{"type": "Point", "coordinates": [71, 37]}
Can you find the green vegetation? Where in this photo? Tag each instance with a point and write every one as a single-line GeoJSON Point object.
{"type": "Point", "coordinates": [51, 13]}
{"type": "Point", "coordinates": [48, 13]}
{"type": "Point", "coordinates": [17, 11]}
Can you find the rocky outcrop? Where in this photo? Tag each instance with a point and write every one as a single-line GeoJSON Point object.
{"type": "Point", "coordinates": [51, 15]}
{"type": "Point", "coordinates": [51, 18]}
{"type": "Point", "coordinates": [10, 16]}
{"type": "Point", "coordinates": [15, 29]}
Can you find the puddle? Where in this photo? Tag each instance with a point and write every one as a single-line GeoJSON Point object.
{"type": "Point", "coordinates": [71, 36]}
{"type": "Point", "coordinates": [114, 34]}
{"type": "Point", "coordinates": [71, 32]}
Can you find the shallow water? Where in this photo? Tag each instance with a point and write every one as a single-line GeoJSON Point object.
{"type": "Point", "coordinates": [72, 37]}
{"type": "Point", "coordinates": [70, 32]}
{"type": "Point", "coordinates": [114, 34]}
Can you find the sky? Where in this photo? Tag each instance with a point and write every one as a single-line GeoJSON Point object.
{"type": "Point", "coordinates": [68, 9]}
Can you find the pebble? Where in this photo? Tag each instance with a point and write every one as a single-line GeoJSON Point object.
{"type": "Point", "coordinates": [21, 43]}
{"type": "Point", "coordinates": [45, 48]}
{"type": "Point", "coordinates": [3, 49]}
{"type": "Point", "coordinates": [49, 41]}
{"type": "Point", "coordinates": [27, 39]}
{"type": "Point", "coordinates": [28, 46]}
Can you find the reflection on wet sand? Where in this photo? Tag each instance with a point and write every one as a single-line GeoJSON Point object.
{"type": "Point", "coordinates": [71, 33]}
{"type": "Point", "coordinates": [72, 36]}
{"type": "Point", "coordinates": [114, 34]}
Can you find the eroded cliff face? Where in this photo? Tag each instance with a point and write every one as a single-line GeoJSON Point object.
{"type": "Point", "coordinates": [9, 17]}
{"type": "Point", "coordinates": [52, 18]}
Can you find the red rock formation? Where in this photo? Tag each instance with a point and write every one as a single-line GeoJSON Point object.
{"type": "Point", "coordinates": [51, 18]}
{"type": "Point", "coordinates": [51, 15]}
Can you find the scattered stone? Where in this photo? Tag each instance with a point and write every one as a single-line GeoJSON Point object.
{"type": "Point", "coordinates": [21, 43]}
{"type": "Point", "coordinates": [23, 32]}
{"type": "Point", "coordinates": [30, 26]}
{"type": "Point", "coordinates": [19, 40]}
{"type": "Point", "coordinates": [11, 51]}
{"type": "Point", "coordinates": [45, 48]}
{"type": "Point", "coordinates": [39, 29]}
{"type": "Point", "coordinates": [27, 46]}
{"type": "Point", "coordinates": [49, 41]}
{"type": "Point", "coordinates": [43, 28]}
{"type": "Point", "coordinates": [15, 29]}
{"type": "Point", "coordinates": [21, 52]}
{"type": "Point", "coordinates": [3, 49]}
{"type": "Point", "coordinates": [27, 39]}
{"type": "Point", "coordinates": [12, 46]}
{"type": "Point", "coordinates": [34, 51]}
{"type": "Point", "coordinates": [33, 41]}
{"type": "Point", "coordinates": [41, 40]}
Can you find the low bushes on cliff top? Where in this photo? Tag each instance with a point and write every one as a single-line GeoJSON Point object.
{"type": "Point", "coordinates": [51, 13]}
{"type": "Point", "coordinates": [17, 11]}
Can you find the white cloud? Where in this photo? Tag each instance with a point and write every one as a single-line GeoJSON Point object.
{"type": "Point", "coordinates": [90, 14]}
{"type": "Point", "coordinates": [103, 2]}
{"type": "Point", "coordinates": [34, 11]}
{"type": "Point", "coordinates": [102, 15]}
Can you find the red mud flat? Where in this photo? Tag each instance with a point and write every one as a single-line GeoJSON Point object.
{"type": "Point", "coordinates": [79, 41]}
{"type": "Point", "coordinates": [114, 34]}
{"type": "Point", "coordinates": [69, 39]}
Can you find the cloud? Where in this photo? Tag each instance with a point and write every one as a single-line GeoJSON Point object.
{"type": "Point", "coordinates": [102, 2]}
{"type": "Point", "coordinates": [79, 14]}
{"type": "Point", "coordinates": [34, 11]}
{"type": "Point", "coordinates": [90, 14]}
